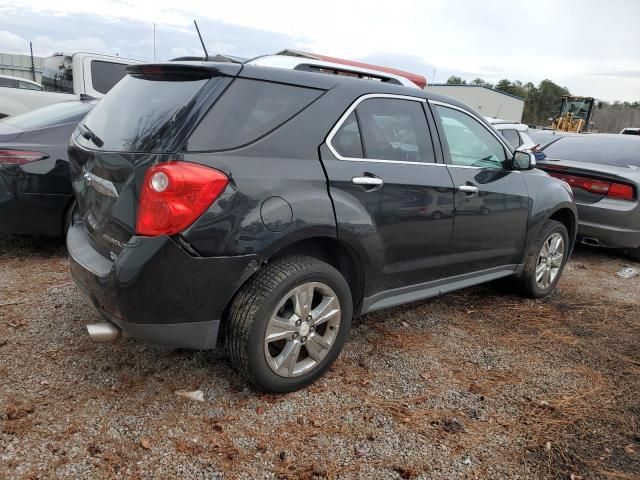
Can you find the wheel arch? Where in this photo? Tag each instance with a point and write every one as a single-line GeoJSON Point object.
{"type": "Point", "coordinates": [567, 217]}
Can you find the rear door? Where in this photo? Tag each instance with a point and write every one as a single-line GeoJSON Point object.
{"type": "Point", "coordinates": [391, 194]}
{"type": "Point", "coordinates": [491, 202]}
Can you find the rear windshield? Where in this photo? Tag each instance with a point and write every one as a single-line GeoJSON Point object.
{"type": "Point", "coordinates": [141, 115]}
{"type": "Point", "coordinates": [50, 116]}
{"type": "Point", "coordinates": [247, 111]}
{"type": "Point", "coordinates": [618, 151]}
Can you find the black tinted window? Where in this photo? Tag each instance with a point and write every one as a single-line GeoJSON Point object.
{"type": "Point", "coordinates": [141, 115]}
{"type": "Point", "coordinates": [106, 74]}
{"type": "Point", "coordinates": [8, 82]}
{"type": "Point", "coordinates": [512, 137]}
{"type": "Point", "coordinates": [395, 130]}
{"type": "Point", "coordinates": [347, 141]}
{"type": "Point", "coordinates": [51, 115]}
{"type": "Point", "coordinates": [620, 151]}
{"type": "Point", "coordinates": [248, 110]}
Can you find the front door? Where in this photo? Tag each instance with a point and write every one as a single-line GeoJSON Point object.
{"type": "Point", "coordinates": [491, 201]}
{"type": "Point", "coordinates": [391, 197]}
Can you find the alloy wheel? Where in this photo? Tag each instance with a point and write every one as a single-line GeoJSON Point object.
{"type": "Point", "coordinates": [549, 260]}
{"type": "Point", "coordinates": [302, 329]}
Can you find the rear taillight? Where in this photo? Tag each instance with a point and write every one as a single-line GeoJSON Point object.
{"type": "Point", "coordinates": [174, 195]}
{"type": "Point", "coordinates": [20, 157]}
{"type": "Point", "coordinates": [621, 191]}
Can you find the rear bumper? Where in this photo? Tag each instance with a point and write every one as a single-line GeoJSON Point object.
{"type": "Point", "coordinates": [613, 223]}
{"type": "Point", "coordinates": [157, 292]}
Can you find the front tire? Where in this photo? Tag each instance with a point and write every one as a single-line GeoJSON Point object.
{"type": "Point", "coordinates": [634, 254]}
{"type": "Point", "coordinates": [545, 261]}
{"type": "Point", "coordinates": [288, 324]}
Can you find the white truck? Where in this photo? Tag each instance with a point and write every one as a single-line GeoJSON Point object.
{"type": "Point", "coordinates": [64, 78]}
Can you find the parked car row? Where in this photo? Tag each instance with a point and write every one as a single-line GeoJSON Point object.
{"type": "Point", "coordinates": [261, 205]}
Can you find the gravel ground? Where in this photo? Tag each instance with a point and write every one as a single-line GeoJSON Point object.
{"type": "Point", "coordinates": [476, 384]}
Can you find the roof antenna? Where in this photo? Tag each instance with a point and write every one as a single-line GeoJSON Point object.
{"type": "Point", "coordinates": [206, 54]}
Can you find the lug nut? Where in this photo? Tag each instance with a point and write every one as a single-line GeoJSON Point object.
{"type": "Point", "coordinates": [295, 335]}
{"type": "Point", "coordinates": [303, 339]}
{"type": "Point", "coordinates": [298, 323]}
{"type": "Point", "coordinates": [312, 328]}
{"type": "Point", "coordinates": [309, 318]}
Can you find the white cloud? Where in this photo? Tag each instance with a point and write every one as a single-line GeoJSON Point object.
{"type": "Point", "coordinates": [566, 41]}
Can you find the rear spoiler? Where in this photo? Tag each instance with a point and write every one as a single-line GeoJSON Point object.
{"type": "Point", "coordinates": [183, 71]}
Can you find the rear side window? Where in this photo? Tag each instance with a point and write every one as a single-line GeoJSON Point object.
{"type": "Point", "coordinates": [621, 151]}
{"type": "Point", "coordinates": [8, 82]}
{"type": "Point", "coordinates": [512, 137]}
{"type": "Point", "coordinates": [347, 140]}
{"type": "Point", "coordinates": [142, 115]}
{"type": "Point", "coordinates": [247, 111]}
{"type": "Point", "coordinates": [104, 75]}
{"type": "Point", "coordinates": [57, 74]}
{"type": "Point", "coordinates": [29, 86]}
{"type": "Point", "coordinates": [386, 129]}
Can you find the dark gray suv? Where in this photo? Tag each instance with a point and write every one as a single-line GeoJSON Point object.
{"type": "Point", "coordinates": [261, 209]}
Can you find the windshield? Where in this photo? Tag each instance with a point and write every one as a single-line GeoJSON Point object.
{"type": "Point", "coordinates": [620, 151]}
{"type": "Point", "coordinates": [57, 74]}
{"type": "Point", "coordinates": [50, 116]}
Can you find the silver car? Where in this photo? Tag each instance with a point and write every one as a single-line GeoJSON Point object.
{"type": "Point", "coordinates": [604, 173]}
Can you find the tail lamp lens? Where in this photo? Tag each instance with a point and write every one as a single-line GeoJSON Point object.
{"type": "Point", "coordinates": [620, 191]}
{"type": "Point", "coordinates": [174, 195]}
{"type": "Point", "coordinates": [20, 157]}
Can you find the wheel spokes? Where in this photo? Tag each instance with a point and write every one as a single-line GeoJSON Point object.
{"type": "Point", "coordinates": [288, 357]}
{"type": "Point", "coordinates": [540, 269]}
{"type": "Point", "coordinates": [327, 310]}
{"type": "Point", "coordinates": [556, 260]}
{"type": "Point", "coordinates": [317, 347]}
{"type": "Point", "coordinates": [280, 328]}
{"type": "Point", "coordinates": [302, 298]}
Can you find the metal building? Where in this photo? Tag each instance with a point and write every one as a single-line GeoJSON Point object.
{"type": "Point", "coordinates": [20, 66]}
{"type": "Point", "coordinates": [487, 101]}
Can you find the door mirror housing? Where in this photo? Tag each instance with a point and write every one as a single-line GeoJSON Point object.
{"type": "Point", "coordinates": [523, 160]}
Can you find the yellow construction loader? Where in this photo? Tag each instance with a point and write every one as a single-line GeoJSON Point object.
{"type": "Point", "coordinates": [575, 114]}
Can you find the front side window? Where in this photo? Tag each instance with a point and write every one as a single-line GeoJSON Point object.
{"type": "Point", "coordinates": [470, 143]}
{"type": "Point", "coordinates": [386, 129]}
{"type": "Point", "coordinates": [105, 75]}
{"type": "Point", "coordinates": [512, 137]}
{"type": "Point", "coordinates": [29, 86]}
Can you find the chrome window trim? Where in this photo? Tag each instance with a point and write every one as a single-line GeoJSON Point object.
{"type": "Point", "coordinates": [454, 107]}
{"type": "Point", "coordinates": [350, 110]}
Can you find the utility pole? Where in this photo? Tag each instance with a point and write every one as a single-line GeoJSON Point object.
{"type": "Point", "coordinates": [33, 66]}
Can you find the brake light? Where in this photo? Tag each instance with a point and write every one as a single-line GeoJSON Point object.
{"type": "Point", "coordinates": [174, 195]}
{"type": "Point", "coordinates": [620, 191]}
{"type": "Point", "coordinates": [20, 157]}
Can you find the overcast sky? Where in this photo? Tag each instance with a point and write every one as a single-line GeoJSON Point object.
{"type": "Point", "coordinates": [589, 46]}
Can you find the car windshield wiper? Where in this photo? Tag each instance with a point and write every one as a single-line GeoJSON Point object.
{"type": "Point", "coordinates": [89, 135]}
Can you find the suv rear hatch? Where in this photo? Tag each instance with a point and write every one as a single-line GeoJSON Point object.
{"type": "Point", "coordinates": [143, 120]}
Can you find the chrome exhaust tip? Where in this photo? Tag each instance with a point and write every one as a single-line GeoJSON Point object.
{"type": "Point", "coordinates": [103, 332]}
{"type": "Point", "coordinates": [594, 242]}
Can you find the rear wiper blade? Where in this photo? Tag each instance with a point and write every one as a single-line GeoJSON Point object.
{"type": "Point", "coordinates": [89, 135]}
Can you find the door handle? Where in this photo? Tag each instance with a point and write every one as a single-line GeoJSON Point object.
{"type": "Point", "coordinates": [470, 190]}
{"type": "Point", "coordinates": [368, 182]}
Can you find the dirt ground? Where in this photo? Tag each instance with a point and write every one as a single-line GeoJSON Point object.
{"type": "Point", "coordinates": [476, 384]}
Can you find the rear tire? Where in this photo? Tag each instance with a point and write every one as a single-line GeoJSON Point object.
{"type": "Point", "coordinates": [269, 342]}
{"type": "Point", "coordinates": [545, 260]}
{"type": "Point", "coordinates": [634, 254]}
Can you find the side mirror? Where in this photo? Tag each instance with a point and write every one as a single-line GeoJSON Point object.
{"type": "Point", "coordinates": [523, 160]}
